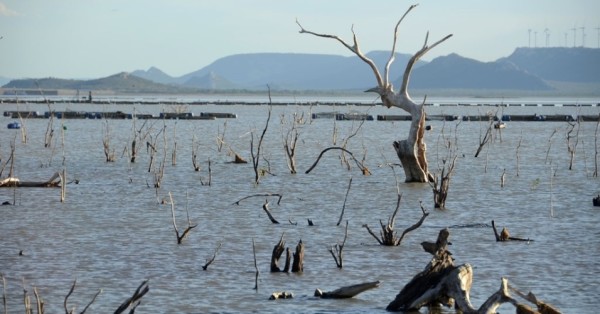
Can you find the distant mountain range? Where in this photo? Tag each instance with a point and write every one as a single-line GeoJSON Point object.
{"type": "Point", "coordinates": [526, 69]}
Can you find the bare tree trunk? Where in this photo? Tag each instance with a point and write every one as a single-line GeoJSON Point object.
{"type": "Point", "coordinates": [412, 151]}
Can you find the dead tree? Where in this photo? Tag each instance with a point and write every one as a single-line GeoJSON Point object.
{"type": "Point", "coordinates": [257, 272]}
{"type": "Point", "coordinates": [195, 148]}
{"type": "Point", "coordinates": [182, 236]}
{"type": "Point", "coordinates": [412, 151]}
{"type": "Point", "coordinates": [278, 249]}
{"type": "Point", "coordinates": [596, 148]}
{"type": "Point", "coordinates": [572, 141]}
{"type": "Point", "coordinates": [73, 309]}
{"type": "Point", "coordinates": [109, 152]}
{"type": "Point", "coordinates": [441, 282]}
{"type": "Point", "coordinates": [441, 183]}
{"type": "Point", "coordinates": [486, 138]}
{"type": "Point", "coordinates": [337, 250]}
{"type": "Point", "coordinates": [212, 259]}
{"type": "Point", "coordinates": [297, 264]}
{"type": "Point", "coordinates": [388, 234]}
{"type": "Point", "coordinates": [256, 155]}
{"type": "Point", "coordinates": [133, 302]}
{"type": "Point", "coordinates": [344, 206]}
{"type": "Point", "coordinates": [290, 140]}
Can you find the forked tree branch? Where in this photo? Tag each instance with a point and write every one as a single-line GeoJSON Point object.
{"type": "Point", "coordinates": [393, 53]}
{"type": "Point", "coordinates": [354, 48]}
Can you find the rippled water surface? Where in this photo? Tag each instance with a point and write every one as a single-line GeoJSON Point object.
{"type": "Point", "coordinates": [112, 232]}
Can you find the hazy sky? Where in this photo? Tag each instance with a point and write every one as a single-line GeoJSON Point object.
{"type": "Point", "coordinates": [98, 38]}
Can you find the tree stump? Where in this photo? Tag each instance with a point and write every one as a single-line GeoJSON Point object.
{"type": "Point", "coordinates": [298, 265]}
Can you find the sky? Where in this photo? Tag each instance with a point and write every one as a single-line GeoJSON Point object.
{"type": "Point", "coordinates": [83, 39]}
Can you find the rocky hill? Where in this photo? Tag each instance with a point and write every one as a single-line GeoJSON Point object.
{"type": "Point", "coordinates": [531, 70]}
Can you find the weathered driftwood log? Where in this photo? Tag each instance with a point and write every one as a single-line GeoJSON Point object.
{"type": "Point", "coordinates": [348, 291]}
{"type": "Point", "coordinates": [441, 282]}
{"type": "Point", "coordinates": [54, 182]}
{"type": "Point", "coordinates": [505, 235]}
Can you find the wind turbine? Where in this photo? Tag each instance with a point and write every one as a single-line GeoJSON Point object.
{"type": "Point", "coordinates": [574, 29]}
{"type": "Point", "coordinates": [582, 36]}
{"type": "Point", "coordinates": [529, 30]}
{"type": "Point", "coordinates": [547, 32]}
{"type": "Point", "coordinates": [535, 39]}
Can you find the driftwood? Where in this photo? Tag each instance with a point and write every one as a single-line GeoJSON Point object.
{"type": "Point", "coordinates": [505, 235]}
{"type": "Point", "coordinates": [266, 209]}
{"type": "Point", "coordinates": [281, 295]}
{"type": "Point", "coordinates": [212, 259]}
{"type": "Point", "coordinates": [348, 291]}
{"type": "Point", "coordinates": [257, 195]}
{"type": "Point", "coordinates": [388, 235]}
{"type": "Point", "coordinates": [54, 182]}
{"type": "Point", "coordinates": [441, 282]}
{"type": "Point", "coordinates": [358, 163]}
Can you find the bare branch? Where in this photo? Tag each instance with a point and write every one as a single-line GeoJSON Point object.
{"type": "Point", "coordinates": [266, 209]}
{"type": "Point", "coordinates": [415, 226]}
{"type": "Point", "coordinates": [210, 261]}
{"type": "Point", "coordinates": [344, 206]}
{"type": "Point", "coordinates": [414, 59]}
{"type": "Point", "coordinates": [335, 147]}
{"type": "Point", "coordinates": [393, 53]}
{"type": "Point", "coordinates": [255, 195]}
{"type": "Point", "coordinates": [354, 48]}
{"type": "Point", "coordinates": [133, 301]}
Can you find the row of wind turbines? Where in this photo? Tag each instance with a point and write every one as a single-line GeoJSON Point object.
{"type": "Point", "coordinates": [566, 44]}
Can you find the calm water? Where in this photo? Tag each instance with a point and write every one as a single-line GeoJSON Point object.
{"type": "Point", "coordinates": [112, 232]}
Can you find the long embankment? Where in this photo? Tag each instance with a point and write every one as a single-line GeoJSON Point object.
{"type": "Point", "coordinates": [338, 115]}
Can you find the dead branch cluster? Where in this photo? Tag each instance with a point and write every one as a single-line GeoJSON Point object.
{"type": "Point", "coordinates": [388, 235]}
{"type": "Point", "coordinates": [298, 257]}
